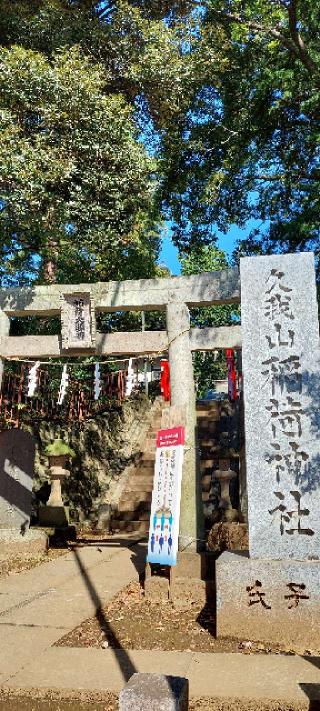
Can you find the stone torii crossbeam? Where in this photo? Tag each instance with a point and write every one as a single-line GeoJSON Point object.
{"type": "Point", "coordinates": [78, 304]}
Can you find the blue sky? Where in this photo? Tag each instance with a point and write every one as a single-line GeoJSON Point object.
{"type": "Point", "coordinates": [227, 242]}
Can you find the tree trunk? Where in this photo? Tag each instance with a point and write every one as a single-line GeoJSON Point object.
{"type": "Point", "coordinates": [50, 262]}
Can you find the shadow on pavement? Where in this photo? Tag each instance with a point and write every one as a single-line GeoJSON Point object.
{"type": "Point", "coordinates": [312, 691]}
{"type": "Point", "coordinates": [126, 666]}
{"type": "Point", "coordinates": [138, 556]}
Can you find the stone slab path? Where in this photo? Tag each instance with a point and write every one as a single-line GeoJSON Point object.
{"type": "Point", "coordinates": [39, 606]}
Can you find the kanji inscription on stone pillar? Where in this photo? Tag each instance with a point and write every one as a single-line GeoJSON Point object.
{"type": "Point", "coordinates": [282, 405]}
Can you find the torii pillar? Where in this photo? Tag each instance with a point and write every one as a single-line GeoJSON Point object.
{"type": "Point", "coordinates": [4, 333]}
{"type": "Point", "coordinates": [184, 398]}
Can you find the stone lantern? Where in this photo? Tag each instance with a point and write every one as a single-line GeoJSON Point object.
{"type": "Point", "coordinates": [225, 475]}
{"type": "Point", "coordinates": [55, 513]}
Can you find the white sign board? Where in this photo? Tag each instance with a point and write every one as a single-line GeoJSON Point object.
{"type": "Point", "coordinates": [165, 506]}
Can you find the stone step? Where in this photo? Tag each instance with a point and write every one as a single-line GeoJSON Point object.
{"type": "Point", "coordinates": [132, 515]}
{"type": "Point", "coordinates": [146, 458]}
{"type": "Point", "coordinates": [210, 404]}
{"type": "Point", "coordinates": [135, 497]}
{"type": "Point", "coordinates": [149, 446]}
{"type": "Point", "coordinates": [138, 486]}
{"type": "Point", "coordinates": [208, 434]}
{"type": "Point", "coordinates": [205, 495]}
{"type": "Point", "coordinates": [130, 526]}
{"type": "Point", "coordinates": [207, 464]}
{"type": "Point", "coordinates": [130, 504]}
{"type": "Point", "coordinates": [141, 484]}
{"type": "Point", "coordinates": [206, 482]}
{"type": "Point", "coordinates": [145, 465]}
{"type": "Point", "coordinates": [143, 473]}
{"type": "Point", "coordinates": [207, 427]}
{"type": "Point", "coordinates": [143, 468]}
{"type": "Point", "coordinates": [208, 414]}
{"type": "Point", "coordinates": [208, 443]}
{"type": "Point", "coordinates": [208, 423]}
{"type": "Point", "coordinates": [133, 508]}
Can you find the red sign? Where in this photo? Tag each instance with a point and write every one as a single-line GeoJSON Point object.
{"type": "Point", "coordinates": [170, 438]}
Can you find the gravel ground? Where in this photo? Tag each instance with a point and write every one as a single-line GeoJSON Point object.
{"type": "Point", "coordinates": [128, 622]}
{"type": "Point", "coordinates": [50, 700]}
{"type": "Point", "coordinates": [14, 564]}
{"type": "Point", "coordinates": [53, 701]}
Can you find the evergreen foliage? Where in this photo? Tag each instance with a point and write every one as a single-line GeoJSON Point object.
{"type": "Point", "coordinates": [76, 186]}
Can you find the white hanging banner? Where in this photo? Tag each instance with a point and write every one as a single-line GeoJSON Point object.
{"type": "Point", "coordinates": [97, 381]}
{"type": "Point", "coordinates": [166, 495]}
{"type": "Point", "coordinates": [130, 379]}
{"type": "Point", "coordinates": [33, 379]}
{"type": "Point", "coordinates": [63, 385]}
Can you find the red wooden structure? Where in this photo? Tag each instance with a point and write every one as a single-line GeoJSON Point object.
{"type": "Point", "coordinates": [165, 380]}
{"type": "Point", "coordinates": [232, 375]}
{"type": "Point", "coordinates": [79, 404]}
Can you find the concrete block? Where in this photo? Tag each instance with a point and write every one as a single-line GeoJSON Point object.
{"type": "Point", "coordinates": [147, 692]}
{"type": "Point", "coordinates": [22, 545]}
{"type": "Point", "coordinates": [156, 588]}
{"type": "Point", "coordinates": [17, 451]}
{"type": "Point", "coordinates": [191, 565]}
{"type": "Point", "coordinates": [57, 516]}
{"type": "Point", "coordinates": [268, 600]}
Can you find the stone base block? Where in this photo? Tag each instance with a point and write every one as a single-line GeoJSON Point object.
{"type": "Point", "coordinates": [268, 600]}
{"type": "Point", "coordinates": [22, 545]}
{"type": "Point", "coordinates": [156, 588]}
{"type": "Point", "coordinates": [192, 565]}
{"type": "Point", "coordinates": [185, 592]}
{"type": "Point", "coordinates": [147, 692]}
{"type": "Point", "coordinates": [57, 516]}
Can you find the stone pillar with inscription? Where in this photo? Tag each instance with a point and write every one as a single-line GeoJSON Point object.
{"type": "Point", "coordinates": [183, 398]}
{"type": "Point", "coordinates": [273, 594]}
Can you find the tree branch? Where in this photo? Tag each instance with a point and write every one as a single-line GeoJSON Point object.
{"type": "Point", "coordinates": [294, 43]}
{"type": "Point", "coordinates": [297, 39]}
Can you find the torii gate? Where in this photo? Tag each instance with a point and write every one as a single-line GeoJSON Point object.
{"type": "Point", "coordinates": [77, 304]}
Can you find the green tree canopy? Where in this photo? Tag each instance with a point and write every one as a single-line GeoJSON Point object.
{"type": "Point", "coordinates": [226, 94]}
{"type": "Point", "coordinates": [77, 188]}
{"type": "Point", "coordinates": [251, 148]}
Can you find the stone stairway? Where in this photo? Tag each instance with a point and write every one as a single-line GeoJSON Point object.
{"type": "Point", "coordinates": [133, 511]}
{"type": "Point", "coordinates": [217, 421]}
{"type": "Point", "coordinates": [208, 419]}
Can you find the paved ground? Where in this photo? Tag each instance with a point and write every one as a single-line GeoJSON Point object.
{"type": "Point", "coordinates": [39, 606]}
